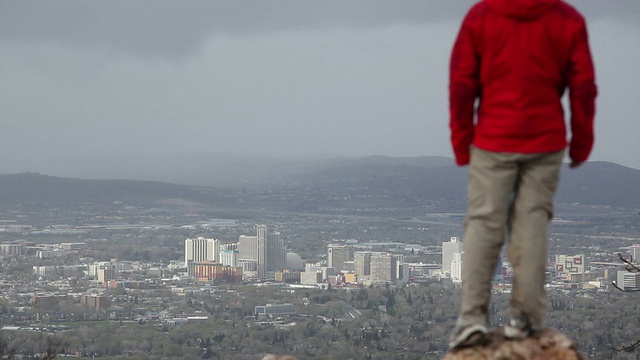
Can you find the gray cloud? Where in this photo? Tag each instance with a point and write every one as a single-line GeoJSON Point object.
{"type": "Point", "coordinates": [175, 28]}
{"type": "Point", "coordinates": [178, 28]}
{"type": "Point", "coordinates": [98, 79]}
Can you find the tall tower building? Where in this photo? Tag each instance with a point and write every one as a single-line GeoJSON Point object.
{"type": "Point", "coordinates": [229, 254]}
{"type": "Point", "coordinates": [248, 248]}
{"type": "Point", "coordinates": [200, 249]}
{"type": "Point", "coordinates": [229, 257]}
{"type": "Point", "coordinates": [266, 249]}
{"type": "Point", "coordinates": [383, 267]}
{"type": "Point", "coordinates": [337, 255]}
{"type": "Point", "coordinates": [261, 241]}
{"type": "Point", "coordinates": [362, 263]}
{"type": "Point", "coordinates": [272, 254]}
{"type": "Point", "coordinates": [276, 252]}
{"type": "Point", "coordinates": [448, 249]}
{"type": "Point", "coordinates": [248, 254]}
{"type": "Point", "coordinates": [634, 251]}
{"type": "Point", "coordinates": [456, 268]}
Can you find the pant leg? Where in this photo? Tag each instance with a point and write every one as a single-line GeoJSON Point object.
{"type": "Point", "coordinates": [532, 211]}
{"type": "Point", "coordinates": [491, 181]}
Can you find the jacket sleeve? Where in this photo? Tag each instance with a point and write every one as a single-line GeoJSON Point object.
{"type": "Point", "coordinates": [582, 95]}
{"type": "Point", "coordinates": [464, 87]}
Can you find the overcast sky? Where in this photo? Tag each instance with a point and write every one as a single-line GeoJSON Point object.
{"type": "Point", "coordinates": [286, 78]}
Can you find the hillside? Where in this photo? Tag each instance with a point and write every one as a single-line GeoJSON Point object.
{"type": "Point", "coordinates": [595, 183]}
{"type": "Point", "coordinates": [373, 181]}
{"type": "Point", "coordinates": [38, 188]}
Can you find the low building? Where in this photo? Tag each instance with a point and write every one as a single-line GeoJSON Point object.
{"type": "Point", "coordinates": [628, 280]}
{"type": "Point", "coordinates": [47, 299]}
{"type": "Point", "coordinates": [288, 276]}
{"type": "Point", "coordinates": [276, 310]}
{"type": "Point", "coordinates": [311, 277]}
{"type": "Point", "coordinates": [208, 270]}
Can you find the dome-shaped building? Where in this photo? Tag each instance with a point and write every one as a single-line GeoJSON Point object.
{"type": "Point", "coordinates": [294, 262]}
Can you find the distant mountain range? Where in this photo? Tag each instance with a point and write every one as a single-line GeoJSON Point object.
{"type": "Point", "coordinates": [430, 178]}
{"type": "Point", "coordinates": [594, 183]}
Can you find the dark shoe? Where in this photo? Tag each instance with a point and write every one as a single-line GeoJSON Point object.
{"type": "Point", "coordinates": [469, 336]}
{"type": "Point", "coordinates": [517, 328]}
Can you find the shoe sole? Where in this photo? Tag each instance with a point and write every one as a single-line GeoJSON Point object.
{"type": "Point", "coordinates": [472, 335]}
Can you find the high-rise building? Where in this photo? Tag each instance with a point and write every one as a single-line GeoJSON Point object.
{"type": "Point", "coordinates": [106, 274]}
{"type": "Point", "coordinates": [266, 249]}
{"type": "Point", "coordinates": [570, 264]}
{"type": "Point", "coordinates": [229, 254]}
{"type": "Point", "coordinates": [11, 249]}
{"type": "Point", "coordinates": [276, 256]}
{"type": "Point", "coordinates": [362, 263]}
{"type": "Point", "coordinates": [261, 242]}
{"type": "Point", "coordinates": [229, 257]}
{"type": "Point", "coordinates": [248, 248]}
{"type": "Point", "coordinates": [634, 251]}
{"type": "Point", "coordinates": [456, 268]}
{"type": "Point", "coordinates": [403, 273]}
{"type": "Point", "coordinates": [337, 255]}
{"type": "Point", "coordinates": [448, 249]}
{"type": "Point", "coordinates": [383, 267]}
{"type": "Point", "coordinates": [200, 249]}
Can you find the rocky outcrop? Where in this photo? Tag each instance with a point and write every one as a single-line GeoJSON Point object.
{"type": "Point", "coordinates": [547, 344]}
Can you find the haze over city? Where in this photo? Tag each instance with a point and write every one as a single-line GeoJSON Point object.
{"type": "Point", "coordinates": [88, 85]}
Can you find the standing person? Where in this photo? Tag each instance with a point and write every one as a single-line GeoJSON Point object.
{"type": "Point", "coordinates": [516, 57]}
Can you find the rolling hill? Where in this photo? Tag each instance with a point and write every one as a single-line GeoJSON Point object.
{"type": "Point", "coordinates": [394, 179]}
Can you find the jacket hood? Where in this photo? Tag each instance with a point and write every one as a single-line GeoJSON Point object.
{"type": "Point", "coordinates": [521, 9]}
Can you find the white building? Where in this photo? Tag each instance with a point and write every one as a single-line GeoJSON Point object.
{"type": "Point", "coordinates": [628, 280]}
{"type": "Point", "coordinates": [200, 249]}
{"type": "Point", "coordinates": [422, 269]}
{"type": "Point", "coordinates": [248, 248]}
{"type": "Point", "coordinates": [45, 271]}
{"type": "Point", "coordinates": [634, 251]}
{"type": "Point", "coordinates": [311, 277]}
{"type": "Point", "coordinates": [448, 249]}
{"type": "Point", "coordinates": [229, 257]}
{"type": "Point", "coordinates": [11, 249]}
{"type": "Point", "coordinates": [456, 268]}
{"type": "Point", "coordinates": [570, 264]}
{"type": "Point", "coordinates": [93, 269]}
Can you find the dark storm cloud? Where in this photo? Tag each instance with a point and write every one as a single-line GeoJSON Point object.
{"type": "Point", "coordinates": [178, 28]}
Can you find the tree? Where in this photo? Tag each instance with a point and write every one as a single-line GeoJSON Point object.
{"type": "Point", "coordinates": [630, 267]}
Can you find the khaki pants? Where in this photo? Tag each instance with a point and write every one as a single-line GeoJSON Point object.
{"type": "Point", "coordinates": [508, 192]}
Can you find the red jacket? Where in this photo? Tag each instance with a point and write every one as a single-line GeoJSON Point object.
{"type": "Point", "coordinates": [518, 57]}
